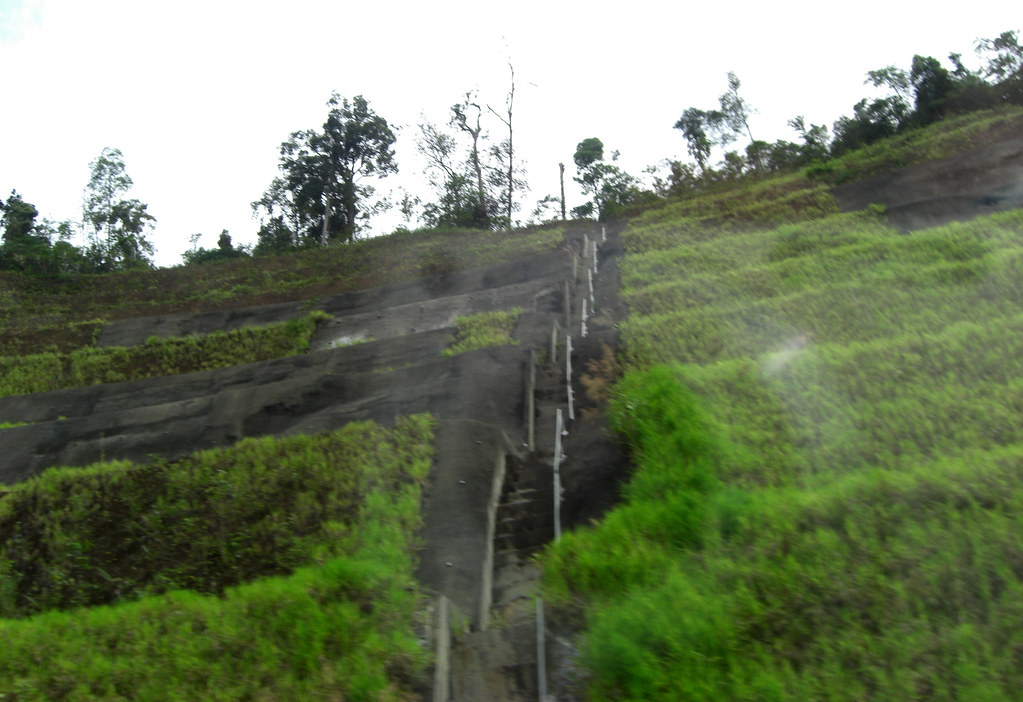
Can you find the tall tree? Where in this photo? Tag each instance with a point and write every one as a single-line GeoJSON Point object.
{"type": "Point", "coordinates": [610, 187]}
{"type": "Point", "coordinates": [507, 147]}
{"type": "Point", "coordinates": [1005, 65]}
{"type": "Point", "coordinates": [356, 143]}
{"type": "Point", "coordinates": [466, 116]}
{"type": "Point", "coordinates": [17, 218]}
{"type": "Point", "coordinates": [117, 226]}
{"type": "Point", "coordinates": [694, 124]}
{"type": "Point", "coordinates": [319, 194]}
{"type": "Point", "coordinates": [736, 110]}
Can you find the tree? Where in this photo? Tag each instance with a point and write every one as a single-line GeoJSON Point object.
{"type": "Point", "coordinates": [225, 250]}
{"type": "Point", "coordinates": [816, 141]}
{"type": "Point", "coordinates": [610, 186]}
{"type": "Point", "coordinates": [506, 148]}
{"type": "Point", "coordinates": [932, 86]}
{"type": "Point", "coordinates": [587, 152]}
{"type": "Point", "coordinates": [18, 218]}
{"type": "Point", "coordinates": [464, 198]}
{"type": "Point", "coordinates": [694, 124]}
{"type": "Point", "coordinates": [466, 116]}
{"type": "Point", "coordinates": [117, 226]}
{"type": "Point", "coordinates": [318, 198]}
{"type": "Point", "coordinates": [735, 110]}
{"type": "Point", "coordinates": [1005, 65]}
{"type": "Point", "coordinates": [35, 247]}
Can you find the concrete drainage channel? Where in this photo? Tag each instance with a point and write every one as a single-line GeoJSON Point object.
{"type": "Point", "coordinates": [503, 651]}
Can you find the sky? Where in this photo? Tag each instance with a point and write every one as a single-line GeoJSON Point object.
{"type": "Point", "coordinates": [199, 94]}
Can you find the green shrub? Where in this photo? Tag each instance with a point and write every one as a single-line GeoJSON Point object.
{"type": "Point", "coordinates": [483, 330]}
{"type": "Point", "coordinates": [334, 516]}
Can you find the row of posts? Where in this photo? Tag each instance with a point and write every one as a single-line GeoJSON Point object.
{"type": "Point", "coordinates": [560, 429]}
{"type": "Point", "coordinates": [441, 690]}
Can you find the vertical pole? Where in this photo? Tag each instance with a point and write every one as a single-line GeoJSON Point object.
{"type": "Point", "coordinates": [541, 652]}
{"type": "Point", "coordinates": [568, 376]}
{"type": "Point", "coordinates": [568, 303]}
{"type": "Point", "coordinates": [593, 301]}
{"type": "Point", "coordinates": [442, 663]}
{"type": "Point", "coordinates": [531, 401]}
{"type": "Point", "coordinates": [559, 428]}
{"type": "Point", "coordinates": [552, 355]}
{"type": "Point", "coordinates": [487, 586]}
{"type": "Point", "coordinates": [582, 321]}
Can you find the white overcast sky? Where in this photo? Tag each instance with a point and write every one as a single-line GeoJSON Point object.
{"type": "Point", "coordinates": [199, 94]}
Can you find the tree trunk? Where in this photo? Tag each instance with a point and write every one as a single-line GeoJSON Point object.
{"type": "Point", "coordinates": [561, 166]}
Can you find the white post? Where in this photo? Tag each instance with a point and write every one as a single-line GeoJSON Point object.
{"type": "Point", "coordinates": [541, 652]}
{"type": "Point", "coordinates": [582, 321]}
{"type": "Point", "coordinates": [559, 427]}
{"type": "Point", "coordinates": [603, 233]}
{"type": "Point", "coordinates": [593, 301]}
{"type": "Point", "coordinates": [568, 377]}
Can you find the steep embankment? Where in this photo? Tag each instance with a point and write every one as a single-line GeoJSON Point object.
{"type": "Point", "coordinates": [386, 352]}
{"type": "Point", "coordinates": [823, 412]}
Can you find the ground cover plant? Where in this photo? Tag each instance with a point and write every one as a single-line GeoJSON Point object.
{"type": "Point", "coordinates": [296, 554]}
{"type": "Point", "coordinates": [826, 423]}
{"type": "Point", "coordinates": [22, 375]}
{"type": "Point", "coordinates": [483, 330]}
{"type": "Point", "coordinates": [63, 313]}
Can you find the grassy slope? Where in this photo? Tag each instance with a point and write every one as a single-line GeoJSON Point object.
{"type": "Point", "coordinates": [328, 518]}
{"type": "Point", "coordinates": [274, 569]}
{"type": "Point", "coordinates": [42, 372]}
{"type": "Point", "coordinates": [826, 421]}
{"type": "Point", "coordinates": [67, 313]}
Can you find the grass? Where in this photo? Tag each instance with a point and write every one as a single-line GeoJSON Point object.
{"type": "Point", "coordinates": [62, 314]}
{"type": "Point", "coordinates": [826, 424]}
{"type": "Point", "coordinates": [483, 330]}
{"type": "Point", "coordinates": [22, 375]}
{"type": "Point", "coordinates": [297, 556]}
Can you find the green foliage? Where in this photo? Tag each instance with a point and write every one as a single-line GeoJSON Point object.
{"type": "Point", "coordinates": [337, 619]}
{"type": "Point", "coordinates": [225, 251]}
{"type": "Point", "coordinates": [825, 419]}
{"type": "Point", "coordinates": [118, 226]}
{"type": "Point", "coordinates": [318, 198]}
{"type": "Point", "coordinates": [22, 375]}
{"type": "Point", "coordinates": [483, 330]}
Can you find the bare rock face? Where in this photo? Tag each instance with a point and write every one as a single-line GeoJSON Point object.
{"type": "Point", "coordinates": [980, 181]}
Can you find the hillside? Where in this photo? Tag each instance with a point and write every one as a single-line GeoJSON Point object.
{"type": "Point", "coordinates": [333, 474]}
{"type": "Point", "coordinates": [822, 409]}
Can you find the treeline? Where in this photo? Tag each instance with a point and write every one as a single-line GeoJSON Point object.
{"type": "Point", "coordinates": [925, 93]}
{"type": "Point", "coordinates": [324, 193]}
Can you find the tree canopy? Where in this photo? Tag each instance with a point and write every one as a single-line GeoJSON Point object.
{"type": "Point", "coordinates": [318, 199]}
{"type": "Point", "coordinates": [117, 226]}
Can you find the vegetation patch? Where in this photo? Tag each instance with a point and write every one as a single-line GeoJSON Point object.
{"type": "Point", "coordinates": [38, 314]}
{"type": "Point", "coordinates": [329, 518]}
{"type": "Point", "coordinates": [22, 375]}
{"type": "Point", "coordinates": [825, 420]}
{"type": "Point", "coordinates": [483, 330]}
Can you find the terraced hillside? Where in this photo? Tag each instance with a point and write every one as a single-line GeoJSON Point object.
{"type": "Point", "coordinates": [338, 474]}
{"type": "Point", "coordinates": [466, 363]}
{"type": "Point", "coordinates": [823, 409]}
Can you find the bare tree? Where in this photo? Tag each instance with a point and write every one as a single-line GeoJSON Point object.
{"type": "Point", "coordinates": [510, 149]}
